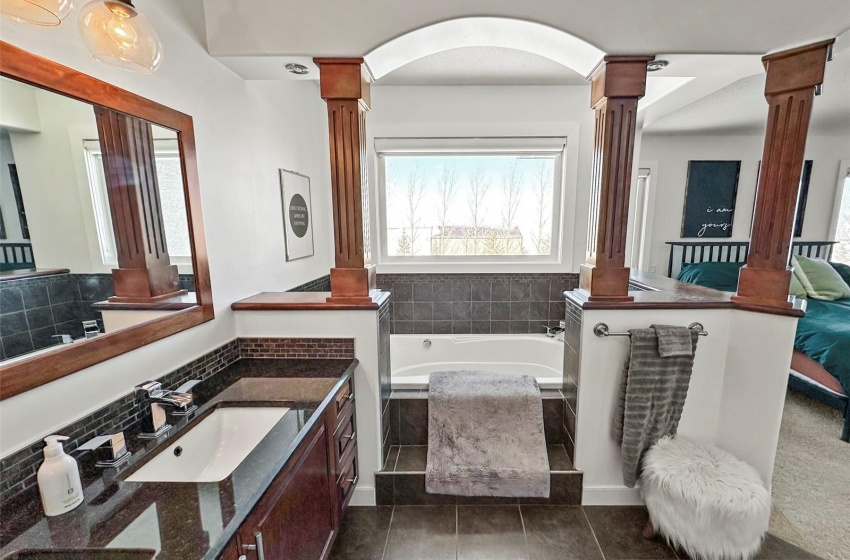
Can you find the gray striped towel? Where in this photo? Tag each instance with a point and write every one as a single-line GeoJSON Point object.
{"type": "Point", "coordinates": [652, 396]}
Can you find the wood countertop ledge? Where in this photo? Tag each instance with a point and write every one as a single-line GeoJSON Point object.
{"type": "Point", "coordinates": [660, 292]}
{"type": "Point", "coordinates": [303, 301]}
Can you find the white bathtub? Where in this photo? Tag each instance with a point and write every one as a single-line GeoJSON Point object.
{"type": "Point", "coordinates": [413, 359]}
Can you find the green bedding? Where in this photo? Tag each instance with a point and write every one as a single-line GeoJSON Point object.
{"type": "Point", "coordinates": [720, 276]}
{"type": "Point", "coordinates": [824, 335]}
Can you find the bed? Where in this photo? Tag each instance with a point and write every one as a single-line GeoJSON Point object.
{"type": "Point", "coordinates": [820, 366]}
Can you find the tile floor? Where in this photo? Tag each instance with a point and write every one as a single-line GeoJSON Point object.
{"type": "Point", "coordinates": [510, 533]}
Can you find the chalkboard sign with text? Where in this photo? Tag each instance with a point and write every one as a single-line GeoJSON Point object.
{"type": "Point", "coordinates": [712, 187]}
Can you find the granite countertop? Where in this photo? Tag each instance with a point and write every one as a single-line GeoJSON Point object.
{"type": "Point", "coordinates": [185, 521]}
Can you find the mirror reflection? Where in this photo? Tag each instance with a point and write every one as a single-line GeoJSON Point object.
{"type": "Point", "coordinates": [94, 232]}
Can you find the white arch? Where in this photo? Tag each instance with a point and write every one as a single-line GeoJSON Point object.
{"type": "Point", "coordinates": [535, 38]}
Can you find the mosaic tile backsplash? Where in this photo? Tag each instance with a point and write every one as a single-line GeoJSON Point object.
{"type": "Point", "coordinates": [18, 471]}
{"type": "Point", "coordinates": [425, 303]}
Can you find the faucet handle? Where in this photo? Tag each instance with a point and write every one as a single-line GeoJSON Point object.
{"type": "Point", "coordinates": [62, 338]}
{"type": "Point", "coordinates": [111, 455]}
{"type": "Point", "coordinates": [187, 386]}
{"type": "Point", "coordinates": [151, 388]}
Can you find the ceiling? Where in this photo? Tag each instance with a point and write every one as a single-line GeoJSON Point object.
{"type": "Point", "coordinates": [740, 107]}
{"type": "Point", "coordinates": [482, 66]}
{"type": "Point", "coordinates": [346, 28]}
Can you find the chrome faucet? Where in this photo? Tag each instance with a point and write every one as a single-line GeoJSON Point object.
{"type": "Point", "coordinates": [62, 338]}
{"type": "Point", "coordinates": [552, 332]}
{"type": "Point", "coordinates": [154, 424]}
{"type": "Point", "coordinates": [110, 450]}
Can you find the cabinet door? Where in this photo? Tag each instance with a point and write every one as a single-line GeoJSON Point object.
{"type": "Point", "coordinates": [295, 519]}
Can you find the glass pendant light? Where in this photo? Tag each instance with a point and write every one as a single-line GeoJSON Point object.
{"type": "Point", "coordinates": [39, 12]}
{"type": "Point", "coordinates": [118, 35]}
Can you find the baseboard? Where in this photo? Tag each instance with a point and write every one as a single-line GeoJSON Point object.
{"type": "Point", "coordinates": [611, 496]}
{"type": "Point", "coordinates": [363, 496]}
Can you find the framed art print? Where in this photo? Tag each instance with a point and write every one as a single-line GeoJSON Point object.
{"type": "Point", "coordinates": [712, 187]}
{"type": "Point", "coordinates": [297, 215]}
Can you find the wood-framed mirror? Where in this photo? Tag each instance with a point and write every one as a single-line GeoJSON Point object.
{"type": "Point", "coordinates": [102, 247]}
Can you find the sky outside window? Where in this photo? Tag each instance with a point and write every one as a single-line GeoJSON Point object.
{"type": "Point", "coordinates": [469, 204]}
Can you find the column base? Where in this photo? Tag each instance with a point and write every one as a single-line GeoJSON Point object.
{"type": "Point", "coordinates": [352, 285]}
{"type": "Point", "coordinates": [604, 284]}
{"type": "Point", "coordinates": [139, 285]}
{"type": "Point", "coordinates": [764, 286]}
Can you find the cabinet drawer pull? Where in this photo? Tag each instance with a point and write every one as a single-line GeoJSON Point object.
{"type": "Point", "coordinates": [261, 555]}
{"type": "Point", "coordinates": [243, 557]}
{"type": "Point", "coordinates": [352, 435]}
{"type": "Point", "coordinates": [350, 397]}
{"type": "Point", "coordinates": [352, 481]}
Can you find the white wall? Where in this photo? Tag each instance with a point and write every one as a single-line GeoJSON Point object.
{"type": "Point", "coordinates": [47, 163]}
{"type": "Point", "coordinates": [672, 153]}
{"type": "Point", "coordinates": [421, 112]}
{"type": "Point", "coordinates": [735, 398]}
{"type": "Point", "coordinates": [244, 133]}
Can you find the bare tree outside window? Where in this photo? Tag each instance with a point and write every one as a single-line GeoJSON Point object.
{"type": "Point", "coordinates": [512, 185]}
{"type": "Point", "coordinates": [446, 191]}
{"type": "Point", "coordinates": [415, 192]}
{"type": "Point", "coordinates": [478, 187]}
{"type": "Point", "coordinates": [542, 187]}
{"type": "Point", "coordinates": [469, 204]}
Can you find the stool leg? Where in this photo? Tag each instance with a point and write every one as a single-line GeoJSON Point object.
{"type": "Point", "coordinates": [649, 532]}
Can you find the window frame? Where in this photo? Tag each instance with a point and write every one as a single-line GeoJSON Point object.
{"type": "Point", "coordinates": [99, 199]}
{"type": "Point", "coordinates": [843, 175]}
{"type": "Point", "coordinates": [540, 146]}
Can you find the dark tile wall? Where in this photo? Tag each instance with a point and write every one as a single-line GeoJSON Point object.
{"type": "Point", "coordinates": [426, 303]}
{"type": "Point", "coordinates": [572, 361]}
{"type": "Point", "coordinates": [300, 348]}
{"type": "Point", "coordinates": [321, 284]}
{"type": "Point", "coordinates": [18, 471]}
{"type": "Point", "coordinates": [32, 310]}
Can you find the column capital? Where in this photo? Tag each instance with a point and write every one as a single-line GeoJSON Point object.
{"type": "Point", "coordinates": [344, 78]}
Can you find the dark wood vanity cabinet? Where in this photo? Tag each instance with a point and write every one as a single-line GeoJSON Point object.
{"type": "Point", "coordinates": [298, 517]}
{"type": "Point", "coordinates": [295, 519]}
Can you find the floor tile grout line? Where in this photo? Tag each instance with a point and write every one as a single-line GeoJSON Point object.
{"type": "Point", "coordinates": [593, 532]}
{"type": "Point", "coordinates": [457, 532]}
{"type": "Point", "coordinates": [387, 540]}
{"type": "Point", "coordinates": [527, 547]}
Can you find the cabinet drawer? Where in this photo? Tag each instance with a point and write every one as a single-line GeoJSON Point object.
{"type": "Point", "coordinates": [344, 397]}
{"type": "Point", "coordinates": [348, 479]}
{"type": "Point", "coordinates": [345, 437]}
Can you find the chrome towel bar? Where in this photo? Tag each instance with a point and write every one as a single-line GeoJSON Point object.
{"type": "Point", "coordinates": [601, 329]}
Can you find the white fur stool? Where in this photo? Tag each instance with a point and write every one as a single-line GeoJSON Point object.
{"type": "Point", "coordinates": [704, 500]}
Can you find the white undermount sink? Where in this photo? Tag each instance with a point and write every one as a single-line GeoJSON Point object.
{"type": "Point", "coordinates": [213, 449]}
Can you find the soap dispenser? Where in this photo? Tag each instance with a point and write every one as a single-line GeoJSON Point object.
{"type": "Point", "coordinates": [58, 479]}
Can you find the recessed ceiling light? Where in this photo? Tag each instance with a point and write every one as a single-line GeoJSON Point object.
{"type": "Point", "coordinates": [298, 69]}
{"type": "Point", "coordinates": [656, 65]}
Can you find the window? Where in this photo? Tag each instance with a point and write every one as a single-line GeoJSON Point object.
{"type": "Point", "coordinates": [170, 180]}
{"type": "Point", "coordinates": [470, 200]}
{"type": "Point", "coordinates": [841, 253]}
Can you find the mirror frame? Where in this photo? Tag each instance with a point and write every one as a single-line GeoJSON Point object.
{"type": "Point", "coordinates": [29, 373]}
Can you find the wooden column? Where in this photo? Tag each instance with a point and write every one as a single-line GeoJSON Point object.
{"type": "Point", "coordinates": [345, 87]}
{"type": "Point", "coordinates": [789, 89]}
{"type": "Point", "coordinates": [144, 272]}
{"type": "Point", "coordinates": [616, 86]}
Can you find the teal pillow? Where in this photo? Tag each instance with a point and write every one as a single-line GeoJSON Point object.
{"type": "Point", "coordinates": [820, 280]}
{"type": "Point", "coordinates": [717, 275]}
{"type": "Point", "coordinates": [843, 270]}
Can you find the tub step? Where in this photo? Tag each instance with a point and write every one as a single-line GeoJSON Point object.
{"type": "Point", "coordinates": [402, 481]}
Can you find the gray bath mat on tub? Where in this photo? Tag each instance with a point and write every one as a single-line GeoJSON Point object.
{"type": "Point", "coordinates": [485, 435]}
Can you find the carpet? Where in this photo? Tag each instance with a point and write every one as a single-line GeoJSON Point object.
{"type": "Point", "coordinates": [811, 479]}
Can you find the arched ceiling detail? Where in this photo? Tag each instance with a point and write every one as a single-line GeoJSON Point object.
{"type": "Point", "coordinates": [535, 38]}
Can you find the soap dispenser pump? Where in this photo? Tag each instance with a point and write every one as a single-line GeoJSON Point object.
{"type": "Point", "coordinates": [58, 479]}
